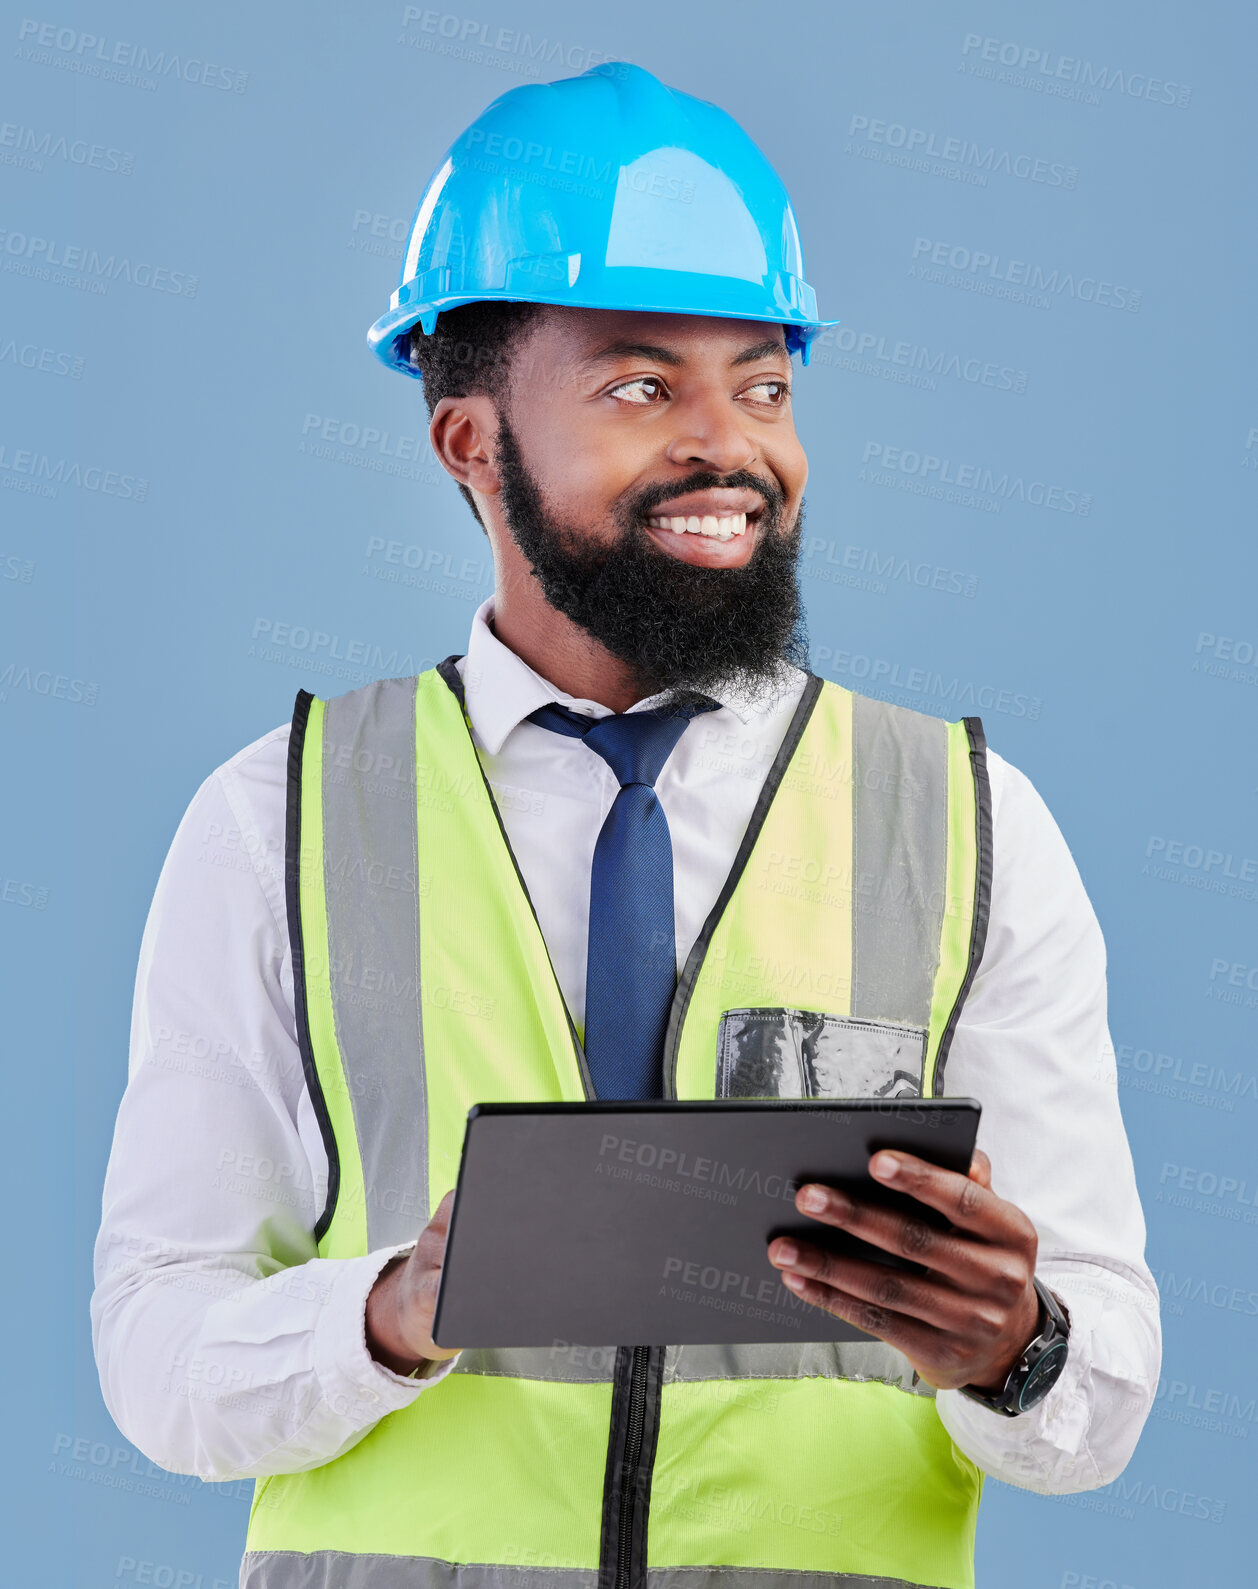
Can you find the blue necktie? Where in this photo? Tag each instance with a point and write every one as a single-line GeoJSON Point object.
{"type": "Point", "coordinates": [631, 961]}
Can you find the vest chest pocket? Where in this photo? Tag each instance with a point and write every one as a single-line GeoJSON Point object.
{"type": "Point", "coordinates": [766, 1053]}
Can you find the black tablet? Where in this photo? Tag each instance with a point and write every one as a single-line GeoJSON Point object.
{"type": "Point", "coordinates": [641, 1224]}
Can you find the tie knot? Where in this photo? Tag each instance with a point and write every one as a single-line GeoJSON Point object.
{"type": "Point", "coordinates": [635, 745]}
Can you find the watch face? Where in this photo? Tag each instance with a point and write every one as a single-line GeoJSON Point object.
{"type": "Point", "coordinates": [1043, 1376]}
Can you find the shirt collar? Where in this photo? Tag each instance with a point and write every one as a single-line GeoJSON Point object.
{"type": "Point", "coordinates": [501, 689]}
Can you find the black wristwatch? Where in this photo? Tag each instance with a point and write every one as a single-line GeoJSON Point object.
{"type": "Point", "coordinates": [1038, 1369]}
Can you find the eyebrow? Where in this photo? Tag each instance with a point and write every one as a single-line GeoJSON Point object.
{"type": "Point", "coordinates": [662, 355]}
{"type": "Point", "coordinates": [761, 350]}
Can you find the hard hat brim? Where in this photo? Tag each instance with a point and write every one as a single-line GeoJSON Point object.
{"type": "Point", "coordinates": [387, 333]}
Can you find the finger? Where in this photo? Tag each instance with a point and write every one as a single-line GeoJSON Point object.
{"type": "Point", "coordinates": [922, 1345]}
{"type": "Point", "coordinates": [917, 1297]}
{"type": "Point", "coordinates": [424, 1301]}
{"type": "Point", "coordinates": [439, 1224]}
{"type": "Point", "coordinates": [968, 1204]}
{"type": "Point", "coordinates": [426, 1288]}
{"type": "Point", "coordinates": [431, 1245]}
{"type": "Point", "coordinates": [981, 1168]}
{"type": "Point", "coordinates": [901, 1234]}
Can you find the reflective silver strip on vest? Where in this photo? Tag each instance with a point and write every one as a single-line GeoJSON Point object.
{"type": "Point", "coordinates": [900, 839]}
{"type": "Point", "coordinates": [579, 1365]}
{"type": "Point", "coordinates": [328, 1569]}
{"type": "Point", "coordinates": [859, 1360]}
{"type": "Point", "coordinates": [331, 1569]}
{"type": "Point", "coordinates": [767, 1578]}
{"type": "Point", "coordinates": [371, 876]}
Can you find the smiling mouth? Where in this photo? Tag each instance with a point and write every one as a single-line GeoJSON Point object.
{"type": "Point", "coordinates": [723, 527]}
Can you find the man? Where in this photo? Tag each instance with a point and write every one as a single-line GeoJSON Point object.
{"type": "Point", "coordinates": [627, 846]}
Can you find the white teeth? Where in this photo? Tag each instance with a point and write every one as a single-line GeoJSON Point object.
{"type": "Point", "coordinates": [718, 527]}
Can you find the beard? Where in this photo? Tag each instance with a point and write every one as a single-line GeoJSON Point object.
{"type": "Point", "coordinates": [676, 627]}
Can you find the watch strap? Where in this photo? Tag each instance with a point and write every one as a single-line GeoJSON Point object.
{"type": "Point", "coordinates": [1051, 1338]}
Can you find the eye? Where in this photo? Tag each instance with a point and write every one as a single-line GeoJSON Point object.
{"type": "Point", "coordinates": [638, 383]}
{"type": "Point", "coordinates": [781, 391]}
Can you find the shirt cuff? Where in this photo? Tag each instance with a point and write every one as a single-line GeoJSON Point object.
{"type": "Point", "coordinates": [358, 1388]}
{"type": "Point", "coordinates": [1041, 1449]}
{"type": "Point", "coordinates": [1082, 1434]}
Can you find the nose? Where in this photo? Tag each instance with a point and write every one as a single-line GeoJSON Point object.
{"type": "Point", "coordinates": [711, 431]}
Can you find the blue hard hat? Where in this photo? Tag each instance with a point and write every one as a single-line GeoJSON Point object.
{"type": "Point", "coordinates": [605, 191]}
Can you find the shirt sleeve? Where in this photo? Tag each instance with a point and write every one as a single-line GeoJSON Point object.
{"type": "Point", "coordinates": [226, 1347]}
{"type": "Point", "coordinates": [1033, 1046]}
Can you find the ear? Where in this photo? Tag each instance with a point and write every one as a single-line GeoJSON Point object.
{"type": "Point", "coordinates": [462, 432]}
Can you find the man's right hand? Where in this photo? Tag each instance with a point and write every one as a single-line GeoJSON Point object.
{"type": "Point", "coordinates": [401, 1303]}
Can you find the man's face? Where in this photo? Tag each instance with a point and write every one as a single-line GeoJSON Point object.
{"type": "Point", "coordinates": [651, 476]}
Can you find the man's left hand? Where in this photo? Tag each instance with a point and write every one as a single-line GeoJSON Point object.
{"type": "Point", "coordinates": [968, 1319]}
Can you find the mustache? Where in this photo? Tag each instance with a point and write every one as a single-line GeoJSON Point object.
{"type": "Point", "coordinates": [633, 508]}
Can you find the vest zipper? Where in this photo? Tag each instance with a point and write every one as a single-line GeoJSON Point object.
{"type": "Point", "coordinates": [631, 1464]}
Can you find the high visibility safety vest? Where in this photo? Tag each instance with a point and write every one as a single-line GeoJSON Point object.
{"type": "Point", "coordinates": [834, 964]}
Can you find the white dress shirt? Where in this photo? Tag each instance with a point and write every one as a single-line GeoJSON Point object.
{"type": "Point", "coordinates": [228, 1349]}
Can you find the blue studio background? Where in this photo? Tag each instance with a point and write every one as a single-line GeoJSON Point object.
{"type": "Point", "coordinates": [1034, 453]}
